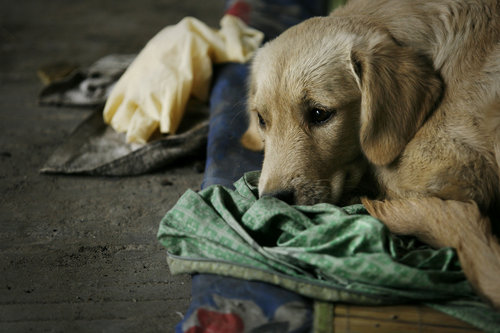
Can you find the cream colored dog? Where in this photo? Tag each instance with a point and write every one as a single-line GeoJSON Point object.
{"type": "Point", "coordinates": [403, 93]}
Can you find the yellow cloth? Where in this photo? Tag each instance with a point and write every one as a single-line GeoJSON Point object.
{"type": "Point", "coordinates": [174, 65]}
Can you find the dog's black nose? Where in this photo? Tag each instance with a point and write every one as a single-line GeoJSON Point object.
{"type": "Point", "coordinates": [287, 196]}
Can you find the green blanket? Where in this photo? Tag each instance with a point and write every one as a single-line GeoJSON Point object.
{"type": "Point", "coordinates": [321, 251]}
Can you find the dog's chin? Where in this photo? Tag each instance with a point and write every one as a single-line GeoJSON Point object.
{"type": "Point", "coordinates": [337, 186]}
{"type": "Point", "coordinates": [341, 190]}
{"type": "Point", "coordinates": [314, 192]}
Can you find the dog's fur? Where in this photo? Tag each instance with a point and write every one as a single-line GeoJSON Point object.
{"type": "Point", "coordinates": [409, 93]}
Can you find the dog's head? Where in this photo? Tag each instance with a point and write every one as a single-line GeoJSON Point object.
{"type": "Point", "coordinates": [328, 97]}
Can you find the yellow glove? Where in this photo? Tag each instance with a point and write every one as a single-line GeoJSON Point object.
{"type": "Point", "coordinates": [174, 65]}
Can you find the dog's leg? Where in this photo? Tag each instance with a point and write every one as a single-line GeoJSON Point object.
{"type": "Point", "coordinates": [450, 223]}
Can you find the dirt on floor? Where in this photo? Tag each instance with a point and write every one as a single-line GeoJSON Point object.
{"type": "Point", "coordinates": [80, 253]}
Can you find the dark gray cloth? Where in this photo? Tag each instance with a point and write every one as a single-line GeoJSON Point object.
{"type": "Point", "coordinates": [94, 148]}
{"type": "Point", "coordinates": [87, 86]}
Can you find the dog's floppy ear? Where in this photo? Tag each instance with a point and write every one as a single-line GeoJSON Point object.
{"type": "Point", "coordinates": [399, 89]}
{"type": "Point", "coordinates": [251, 139]}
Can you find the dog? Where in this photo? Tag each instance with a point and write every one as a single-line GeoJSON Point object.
{"type": "Point", "coordinates": [397, 101]}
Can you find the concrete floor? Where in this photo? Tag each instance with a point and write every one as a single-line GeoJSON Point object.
{"type": "Point", "coordinates": [80, 253]}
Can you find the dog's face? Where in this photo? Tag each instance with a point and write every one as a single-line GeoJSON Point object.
{"type": "Point", "coordinates": [306, 104]}
{"type": "Point", "coordinates": [317, 113]}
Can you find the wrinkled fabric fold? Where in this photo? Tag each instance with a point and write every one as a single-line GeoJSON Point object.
{"type": "Point", "coordinates": [323, 252]}
{"type": "Point", "coordinates": [339, 247]}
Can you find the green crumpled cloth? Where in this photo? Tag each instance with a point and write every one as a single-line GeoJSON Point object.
{"type": "Point", "coordinates": [322, 251]}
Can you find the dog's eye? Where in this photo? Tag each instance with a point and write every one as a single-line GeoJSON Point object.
{"type": "Point", "coordinates": [262, 123]}
{"type": "Point", "coordinates": [319, 116]}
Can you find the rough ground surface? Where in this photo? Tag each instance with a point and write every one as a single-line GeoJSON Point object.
{"type": "Point", "coordinates": [80, 253]}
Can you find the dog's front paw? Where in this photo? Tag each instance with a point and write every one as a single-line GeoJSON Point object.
{"type": "Point", "coordinates": [437, 222]}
